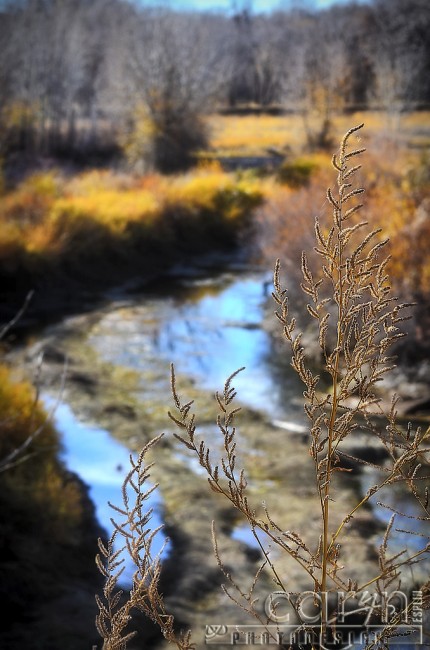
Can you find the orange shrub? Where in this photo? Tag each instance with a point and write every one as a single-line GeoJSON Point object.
{"type": "Point", "coordinates": [31, 201]}
{"type": "Point", "coordinates": [111, 208]}
{"type": "Point", "coordinates": [397, 200]}
{"type": "Point", "coordinates": [18, 415]}
{"type": "Point", "coordinates": [98, 213]}
{"type": "Point", "coordinates": [37, 479]}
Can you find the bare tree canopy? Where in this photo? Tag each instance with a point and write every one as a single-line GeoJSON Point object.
{"type": "Point", "coordinates": [79, 77]}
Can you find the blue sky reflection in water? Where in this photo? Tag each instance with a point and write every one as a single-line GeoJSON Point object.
{"type": "Point", "coordinates": [208, 328]}
{"type": "Point", "coordinates": [222, 332]}
{"type": "Point", "coordinates": [217, 335]}
{"type": "Point", "coordinates": [102, 463]}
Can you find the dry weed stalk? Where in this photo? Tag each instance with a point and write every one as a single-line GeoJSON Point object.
{"type": "Point", "coordinates": [367, 318]}
{"type": "Point", "coordinates": [366, 325]}
{"type": "Point", "coordinates": [134, 527]}
{"type": "Point", "coordinates": [354, 291]}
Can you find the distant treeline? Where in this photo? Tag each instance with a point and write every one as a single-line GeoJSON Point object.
{"type": "Point", "coordinates": [79, 77]}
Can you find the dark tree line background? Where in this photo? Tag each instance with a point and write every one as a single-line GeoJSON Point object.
{"type": "Point", "coordinates": [80, 77]}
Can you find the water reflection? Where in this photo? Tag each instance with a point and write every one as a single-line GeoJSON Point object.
{"type": "Point", "coordinates": [208, 329]}
{"type": "Point", "coordinates": [409, 528]}
{"type": "Point", "coordinates": [102, 463]}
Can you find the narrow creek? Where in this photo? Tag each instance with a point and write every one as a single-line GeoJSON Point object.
{"type": "Point", "coordinates": [208, 325]}
{"type": "Point", "coordinates": [208, 328]}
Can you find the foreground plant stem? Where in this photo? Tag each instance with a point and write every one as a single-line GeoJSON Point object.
{"type": "Point", "coordinates": [339, 297]}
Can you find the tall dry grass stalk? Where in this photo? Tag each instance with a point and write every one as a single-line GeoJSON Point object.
{"type": "Point", "coordinates": [132, 528]}
{"type": "Point", "coordinates": [358, 321]}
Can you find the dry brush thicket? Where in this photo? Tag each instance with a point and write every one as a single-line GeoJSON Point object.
{"type": "Point", "coordinates": [358, 320]}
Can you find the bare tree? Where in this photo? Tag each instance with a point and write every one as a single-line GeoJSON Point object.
{"type": "Point", "coordinates": [318, 73]}
{"type": "Point", "coordinates": [75, 73]}
{"type": "Point", "coordinates": [174, 68]}
{"type": "Point", "coordinates": [48, 70]}
{"type": "Point", "coordinates": [399, 49]}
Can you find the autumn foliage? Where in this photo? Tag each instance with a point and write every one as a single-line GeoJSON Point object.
{"type": "Point", "coordinates": [396, 199]}
{"type": "Point", "coordinates": [53, 225]}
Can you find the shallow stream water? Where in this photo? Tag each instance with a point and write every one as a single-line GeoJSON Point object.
{"type": "Point", "coordinates": [208, 326]}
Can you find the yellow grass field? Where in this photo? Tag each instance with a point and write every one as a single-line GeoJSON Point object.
{"type": "Point", "coordinates": [252, 135]}
{"type": "Point", "coordinates": [51, 216]}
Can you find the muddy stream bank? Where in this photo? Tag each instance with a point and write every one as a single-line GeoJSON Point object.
{"type": "Point", "coordinates": [116, 397]}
